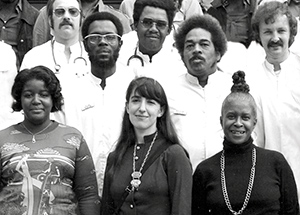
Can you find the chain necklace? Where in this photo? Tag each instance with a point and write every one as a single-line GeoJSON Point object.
{"type": "Point", "coordinates": [33, 135]}
{"type": "Point", "coordinates": [136, 175]}
{"type": "Point", "coordinates": [250, 185]}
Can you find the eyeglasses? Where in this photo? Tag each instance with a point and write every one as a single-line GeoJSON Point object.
{"type": "Point", "coordinates": [95, 39]}
{"type": "Point", "coordinates": [59, 12]}
{"type": "Point", "coordinates": [148, 23]}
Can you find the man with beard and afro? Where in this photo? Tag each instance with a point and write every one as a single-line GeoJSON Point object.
{"type": "Point", "coordinates": [94, 104]}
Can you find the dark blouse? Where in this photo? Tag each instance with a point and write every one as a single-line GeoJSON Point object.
{"type": "Point", "coordinates": [274, 190]}
{"type": "Point", "coordinates": [165, 188]}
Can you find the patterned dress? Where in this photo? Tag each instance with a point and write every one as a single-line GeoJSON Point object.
{"type": "Point", "coordinates": [54, 175]}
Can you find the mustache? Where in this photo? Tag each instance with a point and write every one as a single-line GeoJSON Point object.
{"type": "Point", "coordinates": [65, 22]}
{"type": "Point", "coordinates": [151, 34]}
{"type": "Point", "coordinates": [277, 43]}
{"type": "Point", "coordinates": [197, 56]}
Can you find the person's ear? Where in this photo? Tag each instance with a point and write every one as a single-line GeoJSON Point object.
{"type": "Point", "coordinates": [161, 112]}
{"type": "Point", "coordinates": [50, 22]}
{"type": "Point", "coordinates": [255, 121]}
{"type": "Point", "coordinates": [86, 47]}
{"type": "Point", "coordinates": [221, 121]}
{"type": "Point", "coordinates": [126, 107]}
{"type": "Point", "coordinates": [120, 43]}
{"type": "Point", "coordinates": [218, 56]}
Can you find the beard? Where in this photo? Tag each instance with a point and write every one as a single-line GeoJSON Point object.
{"type": "Point", "coordinates": [104, 64]}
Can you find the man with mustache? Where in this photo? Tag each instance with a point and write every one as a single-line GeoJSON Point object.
{"type": "Point", "coordinates": [196, 97]}
{"type": "Point", "coordinates": [95, 103]}
{"type": "Point", "coordinates": [42, 33]}
{"type": "Point", "coordinates": [149, 49]}
{"type": "Point", "coordinates": [65, 51]}
{"type": "Point", "coordinates": [275, 83]}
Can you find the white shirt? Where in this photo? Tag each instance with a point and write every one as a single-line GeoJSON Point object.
{"type": "Point", "coordinates": [98, 113]}
{"type": "Point", "coordinates": [8, 72]}
{"type": "Point", "coordinates": [196, 111]}
{"type": "Point", "coordinates": [278, 100]}
{"type": "Point", "coordinates": [234, 59]}
{"type": "Point", "coordinates": [50, 52]}
{"type": "Point", "coordinates": [164, 65]}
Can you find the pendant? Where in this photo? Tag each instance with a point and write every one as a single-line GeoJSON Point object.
{"type": "Point", "coordinates": [33, 139]}
{"type": "Point", "coordinates": [57, 68]}
{"type": "Point", "coordinates": [136, 175]}
{"type": "Point", "coordinates": [135, 183]}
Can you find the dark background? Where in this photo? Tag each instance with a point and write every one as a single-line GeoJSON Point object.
{"type": "Point", "coordinates": [40, 3]}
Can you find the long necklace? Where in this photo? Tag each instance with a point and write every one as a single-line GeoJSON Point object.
{"type": "Point", "coordinates": [250, 185]}
{"type": "Point", "coordinates": [136, 175]}
{"type": "Point", "coordinates": [33, 135]}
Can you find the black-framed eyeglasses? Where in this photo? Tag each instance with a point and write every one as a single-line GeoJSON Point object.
{"type": "Point", "coordinates": [95, 39]}
{"type": "Point", "coordinates": [148, 23]}
{"type": "Point", "coordinates": [73, 11]}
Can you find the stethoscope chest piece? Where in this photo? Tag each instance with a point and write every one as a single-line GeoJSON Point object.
{"type": "Point", "coordinates": [57, 68]}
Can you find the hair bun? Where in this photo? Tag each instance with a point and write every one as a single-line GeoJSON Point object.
{"type": "Point", "coordinates": [239, 83]}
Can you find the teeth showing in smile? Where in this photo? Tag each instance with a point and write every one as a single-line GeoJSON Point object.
{"type": "Point", "coordinates": [238, 132]}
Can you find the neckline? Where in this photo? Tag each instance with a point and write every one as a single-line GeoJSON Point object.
{"type": "Point", "coordinates": [21, 129]}
{"type": "Point", "coordinates": [230, 147]}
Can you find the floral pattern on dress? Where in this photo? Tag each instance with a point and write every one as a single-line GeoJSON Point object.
{"type": "Point", "coordinates": [74, 141]}
{"type": "Point", "coordinates": [47, 151]}
{"type": "Point", "coordinates": [12, 148]}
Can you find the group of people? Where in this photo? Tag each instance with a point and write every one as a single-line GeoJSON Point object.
{"type": "Point", "coordinates": [103, 119]}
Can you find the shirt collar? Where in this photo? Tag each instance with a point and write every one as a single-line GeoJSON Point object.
{"type": "Point", "coordinates": [194, 80]}
{"type": "Point", "coordinates": [270, 67]}
{"type": "Point", "coordinates": [19, 6]}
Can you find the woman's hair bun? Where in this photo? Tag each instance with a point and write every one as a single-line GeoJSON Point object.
{"type": "Point", "coordinates": [239, 83]}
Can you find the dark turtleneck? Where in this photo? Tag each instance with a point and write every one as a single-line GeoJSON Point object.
{"type": "Point", "coordinates": [274, 189]}
{"type": "Point", "coordinates": [230, 147]}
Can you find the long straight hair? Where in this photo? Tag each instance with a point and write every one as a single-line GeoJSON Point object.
{"type": "Point", "coordinates": [150, 89]}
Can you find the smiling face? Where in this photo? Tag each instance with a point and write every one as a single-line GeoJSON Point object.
{"type": "Point", "coordinates": [105, 53]}
{"type": "Point", "coordinates": [151, 39]}
{"type": "Point", "coordinates": [275, 37]}
{"type": "Point", "coordinates": [36, 102]}
{"type": "Point", "coordinates": [199, 55]}
{"type": "Point", "coordinates": [143, 113]}
{"type": "Point", "coordinates": [238, 120]}
{"type": "Point", "coordinates": [66, 27]}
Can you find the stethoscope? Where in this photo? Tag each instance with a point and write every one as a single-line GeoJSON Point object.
{"type": "Point", "coordinates": [57, 67]}
{"type": "Point", "coordinates": [135, 56]}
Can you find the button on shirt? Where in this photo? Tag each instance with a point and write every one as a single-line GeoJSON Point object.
{"type": "Point", "coordinates": [162, 66]}
{"type": "Point", "coordinates": [277, 95]}
{"type": "Point", "coordinates": [47, 53]}
{"type": "Point", "coordinates": [196, 111]}
{"type": "Point", "coordinates": [9, 26]}
{"type": "Point", "coordinates": [97, 113]}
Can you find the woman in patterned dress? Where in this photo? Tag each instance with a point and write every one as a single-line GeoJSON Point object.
{"type": "Point", "coordinates": [46, 167]}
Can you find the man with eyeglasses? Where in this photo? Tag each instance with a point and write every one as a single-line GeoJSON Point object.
{"type": "Point", "coordinates": [65, 50]}
{"type": "Point", "coordinates": [147, 50]}
{"type": "Point", "coordinates": [17, 18]}
{"type": "Point", "coordinates": [42, 29]}
{"type": "Point", "coordinates": [95, 103]}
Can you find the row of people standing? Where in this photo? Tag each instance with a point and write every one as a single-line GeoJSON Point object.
{"type": "Point", "coordinates": [194, 60]}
